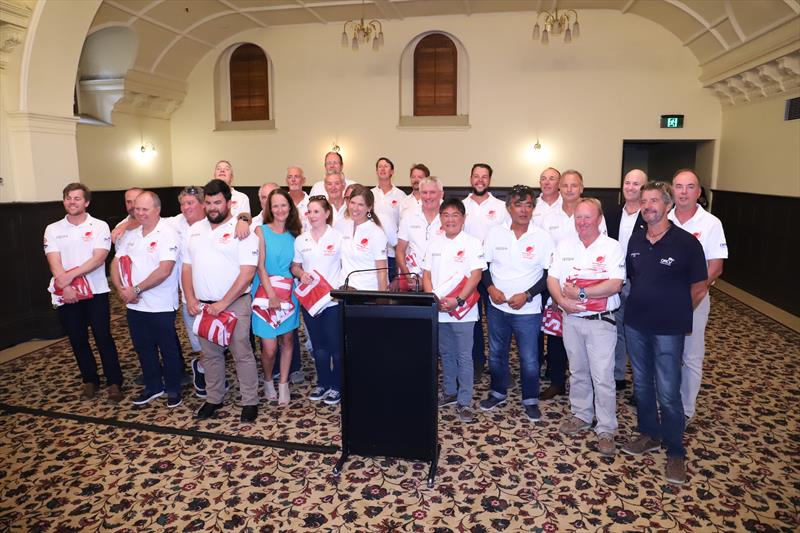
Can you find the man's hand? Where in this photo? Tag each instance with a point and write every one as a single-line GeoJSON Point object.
{"type": "Point", "coordinates": [63, 280]}
{"type": "Point", "coordinates": [242, 230]}
{"type": "Point", "coordinates": [570, 290]}
{"type": "Point", "coordinates": [128, 295]}
{"type": "Point", "coordinates": [518, 300]}
{"type": "Point", "coordinates": [193, 306]}
{"type": "Point", "coordinates": [274, 302]}
{"type": "Point", "coordinates": [69, 295]}
{"type": "Point", "coordinates": [216, 308]}
{"type": "Point", "coordinates": [572, 306]}
{"type": "Point", "coordinates": [306, 278]}
{"type": "Point", "coordinates": [496, 295]}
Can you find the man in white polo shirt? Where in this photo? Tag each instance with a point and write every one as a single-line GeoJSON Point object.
{"type": "Point", "coordinates": [449, 259]}
{"type": "Point", "coordinates": [518, 256]}
{"type": "Point", "coordinates": [484, 210]}
{"type": "Point", "coordinates": [240, 203]}
{"type": "Point", "coordinates": [413, 199]}
{"type": "Point", "coordinates": [76, 247]}
{"type": "Point", "coordinates": [689, 216]}
{"type": "Point", "coordinates": [418, 226]}
{"type": "Point", "coordinates": [584, 279]}
{"type": "Point", "coordinates": [334, 192]}
{"type": "Point", "coordinates": [387, 205]}
{"type": "Point", "coordinates": [295, 179]}
{"type": "Point", "coordinates": [217, 272]}
{"type": "Point", "coordinates": [550, 197]}
{"type": "Point", "coordinates": [152, 299]}
{"type": "Point", "coordinates": [334, 164]}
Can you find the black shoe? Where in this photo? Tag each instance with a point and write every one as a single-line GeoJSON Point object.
{"type": "Point", "coordinates": [207, 410]}
{"type": "Point", "coordinates": [551, 392]}
{"type": "Point", "coordinates": [174, 401]}
{"type": "Point", "coordinates": [147, 397]}
{"type": "Point", "coordinates": [249, 413]}
{"type": "Point", "coordinates": [621, 384]}
{"type": "Point", "coordinates": [198, 377]}
{"type": "Point", "coordinates": [532, 412]}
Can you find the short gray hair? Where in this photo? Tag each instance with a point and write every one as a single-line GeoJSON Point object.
{"type": "Point", "coordinates": [663, 187]}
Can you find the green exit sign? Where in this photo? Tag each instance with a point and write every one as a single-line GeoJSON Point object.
{"type": "Point", "coordinates": [671, 121]}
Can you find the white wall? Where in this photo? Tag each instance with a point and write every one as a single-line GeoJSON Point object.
{"type": "Point", "coordinates": [760, 151]}
{"type": "Point", "coordinates": [582, 100]}
{"type": "Point", "coordinates": [109, 157]}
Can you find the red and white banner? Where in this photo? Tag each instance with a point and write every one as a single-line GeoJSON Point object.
{"type": "Point", "coordinates": [80, 284]}
{"type": "Point", "coordinates": [314, 296]}
{"type": "Point", "coordinates": [125, 266]}
{"type": "Point", "coordinates": [551, 321]}
{"type": "Point", "coordinates": [412, 264]}
{"type": "Point", "coordinates": [283, 290]}
{"type": "Point", "coordinates": [217, 329]}
{"type": "Point", "coordinates": [449, 291]}
{"type": "Point", "coordinates": [596, 305]}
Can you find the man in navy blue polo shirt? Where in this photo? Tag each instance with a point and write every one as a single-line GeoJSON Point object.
{"type": "Point", "coordinates": [667, 271]}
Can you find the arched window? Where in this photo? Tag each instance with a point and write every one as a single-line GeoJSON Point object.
{"type": "Point", "coordinates": [249, 84]}
{"type": "Point", "coordinates": [435, 76]}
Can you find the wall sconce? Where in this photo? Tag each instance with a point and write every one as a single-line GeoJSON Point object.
{"type": "Point", "coordinates": [537, 146]}
{"type": "Point", "coordinates": [146, 151]}
{"type": "Point", "coordinates": [335, 147]}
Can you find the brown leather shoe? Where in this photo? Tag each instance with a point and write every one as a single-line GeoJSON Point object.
{"type": "Point", "coordinates": [551, 392]}
{"type": "Point", "coordinates": [114, 393]}
{"type": "Point", "coordinates": [88, 391]}
{"type": "Point", "coordinates": [675, 471]}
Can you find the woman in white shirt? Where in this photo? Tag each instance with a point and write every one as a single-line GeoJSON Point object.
{"type": "Point", "coordinates": [363, 243]}
{"type": "Point", "coordinates": [317, 253]}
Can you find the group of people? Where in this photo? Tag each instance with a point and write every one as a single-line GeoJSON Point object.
{"type": "Point", "coordinates": [596, 287]}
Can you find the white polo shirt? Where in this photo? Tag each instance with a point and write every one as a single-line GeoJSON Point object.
{"type": "Point", "coordinates": [450, 260]}
{"type": "Point", "coordinates": [561, 226]}
{"type": "Point", "coordinates": [409, 202]}
{"type": "Point", "coordinates": [318, 189]}
{"type": "Point", "coordinates": [517, 264]}
{"type": "Point", "coordinates": [146, 253]}
{"type": "Point", "coordinates": [481, 217]}
{"type": "Point", "coordinates": [708, 230]}
{"type": "Point", "coordinates": [181, 226]}
{"type": "Point", "coordinates": [215, 256]}
{"type": "Point", "coordinates": [257, 221]}
{"type": "Point", "coordinates": [360, 250]}
{"type": "Point", "coordinates": [542, 208]}
{"type": "Point", "coordinates": [338, 214]}
{"type": "Point", "coordinates": [415, 230]}
{"type": "Point", "coordinates": [76, 245]}
{"type": "Point", "coordinates": [240, 203]}
{"type": "Point", "coordinates": [626, 225]}
{"type": "Point", "coordinates": [603, 259]}
{"type": "Point", "coordinates": [324, 256]}
{"type": "Point", "coordinates": [302, 210]}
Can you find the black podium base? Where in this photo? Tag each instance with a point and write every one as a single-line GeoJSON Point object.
{"type": "Point", "coordinates": [339, 467]}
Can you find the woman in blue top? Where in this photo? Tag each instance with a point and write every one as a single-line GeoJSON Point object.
{"type": "Point", "coordinates": [275, 253]}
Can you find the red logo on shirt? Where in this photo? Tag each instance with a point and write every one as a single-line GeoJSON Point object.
{"type": "Point", "coordinates": [696, 234]}
{"type": "Point", "coordinates": [152, 246]}
{"type": "Point", "coordinates": [491, 214]}
{"type": "Point", "coordinates": [528, 252]}
{"type": "Point", "coordinates": [459, 258]}
{"type": "Point", "coordinates": [599, 259]}
{"type": "Point", "coordinates": [234, 203]}
{"type": "Point", "coordinates": [363, 245]}
{"type": "Point", "coordinates": [225, 238]}
{"type": "Point", "coordinates": [329, 250]}
{"type": "Point", "coordinates": [88, 236]}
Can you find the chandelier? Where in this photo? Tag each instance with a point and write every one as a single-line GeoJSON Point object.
{"type": "Point", "coordinates": [555, 23]}
{"type": "Point", "coordinates": [363, 32]}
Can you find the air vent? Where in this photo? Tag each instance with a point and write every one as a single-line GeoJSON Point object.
{"type": "Point", "coordinates": [792, 109]}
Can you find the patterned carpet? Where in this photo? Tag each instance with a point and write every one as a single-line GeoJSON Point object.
{"type": "Point", "coordinates": [499, 473]}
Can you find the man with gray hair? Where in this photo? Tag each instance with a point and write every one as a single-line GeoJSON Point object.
{"type": "Point", "coordinates": [584, 279]}
{"type": "Point", "coordinates": [668, 273]}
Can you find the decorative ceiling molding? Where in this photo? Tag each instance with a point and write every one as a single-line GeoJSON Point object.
{"type": "Point", "coordinates": [778, 76]}
{"type": "Point", "coordinates": [150, 95]}
{"type": "Point", "coordinates": [14, 18]}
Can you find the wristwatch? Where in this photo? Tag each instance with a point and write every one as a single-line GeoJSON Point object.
{"type": "Point", "coordinates": [528, 296]}
{"type": "Point", "coordinates": [138, 290]}
{"type": "Point", "coordinates": [459, 301]}
{"type": "Point", "coordinates": [582, 293]}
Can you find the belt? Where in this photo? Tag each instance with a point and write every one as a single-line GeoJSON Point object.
{"type": "Point", "coordinates": [605, 316]}
{"type": "Point", "coordinates": [210, 302]}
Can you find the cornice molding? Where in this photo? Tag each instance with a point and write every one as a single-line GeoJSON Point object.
{"type": "Point", "coordinates": [24, 122]}
{"type": "Point", "coordinates": [775, 77]}
{"type": "Point", "coordinates": [14, 18]}
{"type": "Point", "coordinates": [151, 95]}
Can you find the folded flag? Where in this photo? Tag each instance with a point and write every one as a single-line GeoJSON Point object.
{"type": "Point", "coordinates": [449, 291]}
{"type": "Point", "coordinates": [314, 296]}
{"type": "Point", "coordinates": [125, 266]}
{"type": "Point", "coordinates": [551, 321]}
{"type": "Point", "coordinates": [80, 284]}
{"type": "Point", "coordinates": [283, 290]}
{"type": "Point", "coordinates": [217, 329]}
{"type": "Point", "coordinates": [597, 305]}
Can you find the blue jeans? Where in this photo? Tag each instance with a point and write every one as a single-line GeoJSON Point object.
{"type": "Point", "coordinates": [188, 321]}
{"type": "Point", "coordinates": [325, 331]}
{"type": "Point", "coordinates": [151, 333]}
{"type": "Point", "coordinates": [656, 362]}
{"type": "Point", "coordinates": [455, 349]}
{"type": "Point", "coordinates": [525, 328]}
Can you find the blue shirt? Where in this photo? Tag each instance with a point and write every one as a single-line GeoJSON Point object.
{"type": "Point", "coordinates": [661, 276]}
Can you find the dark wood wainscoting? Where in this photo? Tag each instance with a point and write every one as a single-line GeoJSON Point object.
{"type": "Point", "coordinates": [763, 239]}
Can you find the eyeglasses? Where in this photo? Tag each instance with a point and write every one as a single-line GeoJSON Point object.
{"type": "Point", "coordinates": [521, 190]}
{"type": "Point", "coordinates": [193, 190]}
{"type": "Point", "coordinates": [318, 198]}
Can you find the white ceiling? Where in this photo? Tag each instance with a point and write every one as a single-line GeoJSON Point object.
{"type": "Point", "coordinates": [175, 34]}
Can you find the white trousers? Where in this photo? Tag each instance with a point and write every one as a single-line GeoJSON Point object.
{"type": "Point", "coordinates": [694, 350]}
{"type": "Point", "coordinates": [592, 390]}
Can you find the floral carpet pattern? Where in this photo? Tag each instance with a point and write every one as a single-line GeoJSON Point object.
{"type": "Point", "coordinates": [500, 473]}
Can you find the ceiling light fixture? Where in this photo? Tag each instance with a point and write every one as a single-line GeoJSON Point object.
{"type": "Point", "coordinates": [557, 22]}
{"type": "Point", "coordinates": [363, 32]}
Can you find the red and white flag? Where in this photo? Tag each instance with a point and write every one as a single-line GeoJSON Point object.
{"type": "Point", "coordinates": [412, 264]}
{"type": "Point", "coordinates": [314, 296]}
{"type": "Point", "coordinates": [283, 290]}
{"type": "Point", "coordinates": [449, 291]}
{"type": "Point", "coordinates": [80, 284]}
{"type": "Point", "coordinates": [551, 321]}
{"type": "Point", "coordinates": [125, 266]}
{"type": "Point", "coordinates": [597, 305]}
{"type": "Point", "coordinates": [217, 329]}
